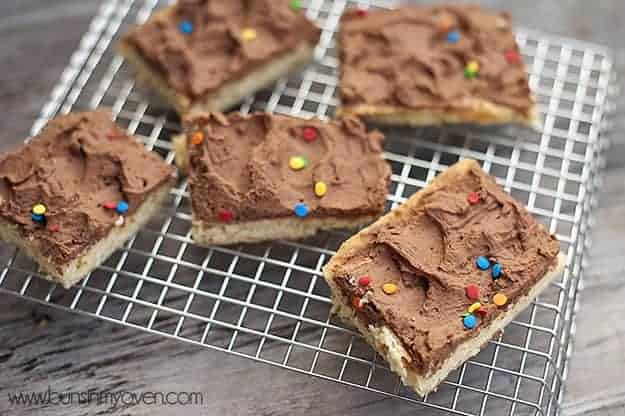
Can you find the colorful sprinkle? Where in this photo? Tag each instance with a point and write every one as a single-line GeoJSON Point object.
{"type": "Point", "coordinates": [444, 24]}
{"type": "Point", "coordinates": [481, 311]}
{"type": "Point", "coordinates": [361, 12]}
{"type": "Point", "coordinates": [248, 34]}
{"type": "Point", "coordinates": [197, 138]}
{"type": "Point", "coordinates": [320, 189]}
{"type": "Point", "coordinates": [225, 215]}
{"type": "Point", "coordinates": [472, 292]}
{"type": "Point", "coordinates": [469, 321]}
{"type": "Point", "coordinates": [39, 209]}
{"type": "Point", "coordinates": [356, 302]}
{"type": "Point", "coordinates": [53, 228]}
{"type": "Point", "coordinates": [37, 217]}
{"type": "Point", "coordinates": [119, 221]}
{"type": "Point", "coordinates": [364, 281]}
{"type": "Point", "coordinates": [482, 263]}
{"type": "Point", "coordinates": [300, 210]}
{"type": "Point", "coordinates": [474, 307]}
{"type": "Point", "coordinates": [109, 205]}
{"type": "Point", "coordinates": [114, 135]}
{"type": "Point", "coordinates": [496, 271]}
{"type": "Point", "coordinates": [298, 162]}
{"type": "Point", "coordinates": [512, 56]}
{"type": "Point", "coordinates": [121, 207]}
{"type": "Point", "coordinates": [453, 36]}
{"type": "Point", "coordinates": [471, 69]}
{"type": "Point", "coordinates": [389, 288]}
{"type": "Point", "coordinates": [185, 27]}
{"type": "Point", "coordinates": [473, 198]}
{"type": "Point", "coordinates": [500, 299]}
{"type": "Point", "coordinates": [309, 134]}
{"type": "Point", "coordinates": [294, 4]}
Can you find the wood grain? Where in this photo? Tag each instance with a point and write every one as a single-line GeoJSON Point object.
{"type": "Point", "coordinates": [41, 347]}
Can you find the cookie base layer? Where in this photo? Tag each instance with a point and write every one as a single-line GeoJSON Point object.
{"type": "Point", "coordinates": [384, 341]}
{"type": "Point", "coordinates": [477, 111]}
{"type": "Point", "coordinates": [70, 273]}
{"type": "Point", "coordinates": [382, 338]}
{"type": "Point", "coordinates": [270, 229]}
{"type": "Point", "coordinates": [230, 93]}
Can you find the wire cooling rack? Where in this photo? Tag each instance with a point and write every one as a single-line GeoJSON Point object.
{"type": "Point", "coordinates": [268, 301]}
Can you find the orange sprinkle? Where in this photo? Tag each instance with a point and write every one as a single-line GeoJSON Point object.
{"type": "Point", "coordinates": [444, 24]}
{"type": "Point", "coordinates": [356, 302]}
{"type": "Point", "coordinates": [500, 299]}
{"type": "Point", "coordinates": [197, 138]}
{"type": "Point", "coordinates": [389, 288]}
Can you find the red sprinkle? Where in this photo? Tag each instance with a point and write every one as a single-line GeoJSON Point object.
{"type": "Point", "coordinates": [481, 311]}
{"type": "Point", "coordinates": [364, 280]}
{"type": "Point", "coordinates": [53, 228]}
{"type": "Point", "coordinates": [512, 56]}
{"type": "Point", "coordinates": [361, 12]}
{"type": "Point", "coordinates": [473, 198]}
{"type": "Point", "coordinates": [109, 205]}
{"type": "Point", "coordinates": [472, 292]}
{"type": "Point", "coordinates": [113, 135]}
{"type": "Point", "coordinates": [225, 215]}
{"type": "Point", "coordinates": [310, 134]}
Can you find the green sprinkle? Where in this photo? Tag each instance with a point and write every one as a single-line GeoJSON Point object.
{"type": "Point", "coordinates": [295, 5]}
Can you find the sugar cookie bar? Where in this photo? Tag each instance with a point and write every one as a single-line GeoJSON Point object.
{"type": "Point", "coordinates": [421, 65]}
{"type": "Point", "coordinates": [262, 176]}
{"type": "Point", "coordinates": [207, 55]}
{"type": "Point", "coordinates": [431, 282]}
{"type": "Point", "coordinates": [77, 191]}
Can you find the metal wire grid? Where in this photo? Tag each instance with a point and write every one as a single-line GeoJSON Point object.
{"type": "Point", "coordinates": [268, 301]}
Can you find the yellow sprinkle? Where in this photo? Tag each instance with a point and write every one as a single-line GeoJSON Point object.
{"type": "Point", "coordinates": [473, 67]}
{"type": "Point", "coordinates": [39, 209]}
{"type": "Point", "coordinates": [389, 288]}
{"type": "Point", "coordinates": [475, 307]}
{"type": "Point", "coordinates": [320, 189]}
{"type": "Point", "coordinates": [297, 163]}
{"type": "Point", "coordinates": [500, 299]}
{"type": "Point", "coordinates": [248, 34]}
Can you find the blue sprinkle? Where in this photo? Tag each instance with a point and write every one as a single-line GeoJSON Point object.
{"type": "Point", "coordinates": [301, 210]}
{"type": "Point", "coordinates": [482, 263]}
{"type": "Point", "coordinates": [37, 217]}
{"type": "Point", "coordinates": [496, 272]}
{"type": "Point", "coordinates": [453, 36]}
{"type": "Point", "coordinates": [121, 207]}
{"type": "Point", "coordinates": [469, 321]}
{"type": "Point", "coordinates": [185, 27]}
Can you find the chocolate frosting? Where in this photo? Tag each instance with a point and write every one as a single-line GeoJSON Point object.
{"type": "Point", "coordinates": [78, 162]}
{"type": "Point", "coordinates": [242, 167]}
{"type": "Point", "coordinates": [215, 52]}
{"type": "Point", "coordinates": [402, 58]}
{"type": "Point", "coordinates": [430, 255]}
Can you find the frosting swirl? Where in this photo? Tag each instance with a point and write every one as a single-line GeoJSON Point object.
{"type": "Point", "coordinates": [242, 166]}
{"type": "Point", "coordinates": [430, 255]}
{"type": "Point", "coordinates": [217, 48]}
{"type": "Point", "coordinates": [403, 58]}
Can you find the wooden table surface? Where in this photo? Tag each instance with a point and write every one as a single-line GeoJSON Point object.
{"type": "Point", "coordinates": [41, 347]}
